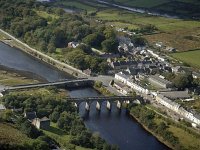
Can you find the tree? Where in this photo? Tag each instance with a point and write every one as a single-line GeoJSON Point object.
{"type": "Point", "coordinates": [112, 82]}
{"type": "Point", "coordinates": [110, 45]}
{"type": "Point", "coordinates": [182, 81]}
{"type": "Point", "coordinates": [6, 115]}
{"type": "Point", "coordinates": [138, 41]}
{"type": "Point", "coordinates": [109, 33]}
{"type": "Point", "coordinates": [55, 116]}
{"type": "Point", "coordinates": [94, 39]}
{"type": "Point", "coordinates": [133, 94]}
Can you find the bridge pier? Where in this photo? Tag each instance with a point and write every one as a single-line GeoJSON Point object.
{"type": "Point", "coordinates": [109, 105]}
{"type": "Point", "coordinates": [87, 106]}
{"type": "Point", "coordinates": [77, 106]}
{"type": "Point", "coordinates": [98, 106]}
{"type": "Point", "coordinates": [119, 104]}
{"type": "Point", "coordinates": [127, 101]}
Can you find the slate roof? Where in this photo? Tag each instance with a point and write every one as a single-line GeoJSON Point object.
{"type": "Point", "coordinates": [30, 115]}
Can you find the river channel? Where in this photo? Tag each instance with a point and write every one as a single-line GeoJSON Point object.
{"type": "Point", "coordinates": [116, 127]}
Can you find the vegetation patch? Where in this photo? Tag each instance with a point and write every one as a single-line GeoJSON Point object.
{"type": "Point", "coordinates": [10, 79]}
{"type": "Point", "coordinates": [175, 135]}
{"type": "Point", "coordinates": [11, 136]}
{"type": "Point", "coordinates": [190, 57]}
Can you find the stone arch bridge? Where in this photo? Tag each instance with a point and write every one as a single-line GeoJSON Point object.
{"type": "Point", "coordinates": [99, 100]}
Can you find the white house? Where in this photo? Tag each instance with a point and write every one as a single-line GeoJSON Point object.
{"type": "Point", "coordinates": [137, 87]}
{"type": "Point", "coordinates": [121, 77]}
{"type": "Point", "coordinates": [167, 102]}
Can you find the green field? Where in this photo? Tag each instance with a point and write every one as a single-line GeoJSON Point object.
{"type": "Point", "coordinates": [191, 57]}
{"type": "Point", "coordinates": [47, 16]}
{"type": "Point", "coordinates": [10, 135]}
{"type": "Point", "coordinates": [172, 32]}
{"type": "Point", "coordinates": [77, 5]}
{"type": "Point", "coordinates": [162, 23]}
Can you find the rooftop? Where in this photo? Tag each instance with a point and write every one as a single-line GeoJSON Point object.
{"type": "Point", "coordinates": [2, 107]}
{"type": "Point", "coordinates": [160, 80]}
{"type": "Point", "coordinates": [176, 94]}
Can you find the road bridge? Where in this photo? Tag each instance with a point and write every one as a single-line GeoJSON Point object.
{"type": "Point", "coordinates": [64, 83]}
{"type": "Point", "coordinates": [99, 100]}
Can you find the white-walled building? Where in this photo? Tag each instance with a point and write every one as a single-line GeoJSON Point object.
{"type": "Point", "coordinates": [121, 77]}
{"type": "Point", "coordinates": [195, 118]}
{"type": "Point", "coordinates": [167, 102]}
{"type": "Point", "coordinates": [129, 82]}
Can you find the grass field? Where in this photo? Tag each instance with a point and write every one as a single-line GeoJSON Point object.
{"type": "Point", "coordinates": [47, 16]}
{"type": "Point", "coordinates": [12, 136]}
{"type": "Point", "coordinates": [183, 35]}
{"type": "Point", "coordinates": [186, 139]}
{"type": "Point", "coordinates": [191, 57]}
{"type": "Point", "coordinates": [172, 32]}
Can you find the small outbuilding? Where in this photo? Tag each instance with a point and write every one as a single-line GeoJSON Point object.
{"type": "Point", "coordinates": [43, 123]}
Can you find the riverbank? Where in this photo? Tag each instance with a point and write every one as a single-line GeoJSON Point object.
{"type": "Point", "coordinates": [13, 42]}
{"type": "Point", "coordinates": [159, 138]}
{"type": "Point", "coordinates": [174, 135]}
{"type": "Point", "coordinates": [11, 77]}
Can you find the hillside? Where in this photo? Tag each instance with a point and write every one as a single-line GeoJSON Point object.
{"type": "Point", "coordinates": [183, 8]}
{"type": "Point", "coordinates": [12, 137]}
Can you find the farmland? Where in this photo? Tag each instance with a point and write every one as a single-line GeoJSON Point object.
{"type": "Point", "coordinates": [184, 35]}
{"type": "Point", "coordinates": [183, 8]}
{"type": "Point", "coordinates": [190, 57]}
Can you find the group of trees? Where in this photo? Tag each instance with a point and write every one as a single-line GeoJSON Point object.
{"type": "Point", "coordinates": [103, 38]}
{"type": "Point", "coordinates": [80, 59]}
{"type": "Point", "coordinates": [60, 111]}
{"type": "Point", "coordinates": [48, 33]}
{"type": "Point", "coordinates": [181, 81]}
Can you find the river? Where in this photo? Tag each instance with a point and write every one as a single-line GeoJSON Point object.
{"type": "Point", "coordinates": [138, 10]}
{"type": "Point", "coordinates": [115, 127]}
